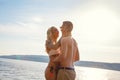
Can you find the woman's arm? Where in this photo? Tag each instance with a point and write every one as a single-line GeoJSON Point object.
{"type": "Point", "coordinates": [53, 46]}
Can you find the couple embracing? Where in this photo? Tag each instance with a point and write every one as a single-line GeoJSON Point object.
{"type": "Point", "coordinates": [62, 53]}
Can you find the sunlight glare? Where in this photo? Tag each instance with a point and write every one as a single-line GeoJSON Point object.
{"type": "Point", "coordinates": [99, 24]}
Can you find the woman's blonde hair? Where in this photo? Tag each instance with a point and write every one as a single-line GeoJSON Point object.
{"type": "Point", "coordinates": [52, 35]}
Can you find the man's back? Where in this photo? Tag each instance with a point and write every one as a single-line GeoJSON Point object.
{"type": "Point", "coordinates": [68, 51]}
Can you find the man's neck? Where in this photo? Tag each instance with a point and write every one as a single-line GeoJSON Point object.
{"type": "Point", "coordinates": [66, 34]}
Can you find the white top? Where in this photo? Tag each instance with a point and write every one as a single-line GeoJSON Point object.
{"type": "Point", "coordinates": [53, 52]}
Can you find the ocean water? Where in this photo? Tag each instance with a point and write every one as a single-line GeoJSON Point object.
{"type": "Point", "coordinates": [21, 70]}
{"type": "Point", "coordinates": [11, 69]}
{"type": "Point", "coordinates": [99, 53]}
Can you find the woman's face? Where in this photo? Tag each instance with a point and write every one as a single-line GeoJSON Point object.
{"type": "Point", "coordinates": [55, 33]}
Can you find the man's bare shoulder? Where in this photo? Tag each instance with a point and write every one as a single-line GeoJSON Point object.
{"type": "Point", "coordinates": [74, 41]}
{"type": "Point", "coordinates": [65, 39]}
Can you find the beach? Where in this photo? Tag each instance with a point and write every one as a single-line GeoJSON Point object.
{"type": "Point", "coordinates": [12, 69]}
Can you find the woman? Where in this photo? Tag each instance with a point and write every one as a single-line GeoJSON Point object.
{"type": "Point", "coordinates": [50, 72]}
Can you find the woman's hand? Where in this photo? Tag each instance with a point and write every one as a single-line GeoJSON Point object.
{"type": "Point", "coordinates": [47, 45]}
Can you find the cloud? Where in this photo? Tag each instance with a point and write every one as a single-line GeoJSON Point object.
{"type": "Point", "coordinates": [23, 36]}
{"type": "Point", "coordinates": [28, 25]}
{"type": "Point", "coordinates": [29, 28]}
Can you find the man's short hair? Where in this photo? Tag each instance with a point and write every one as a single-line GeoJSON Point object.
{"type": "Point", "coordinates": [68, 25]}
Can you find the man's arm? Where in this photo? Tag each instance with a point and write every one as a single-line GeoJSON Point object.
{"type": "Point", "coordinates": [76, 56]}
{"type": "Point", "coordinates": [53, 46]}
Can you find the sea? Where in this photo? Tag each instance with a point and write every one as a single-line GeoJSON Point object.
{"type": "Point", "coordinates": [32, 67]}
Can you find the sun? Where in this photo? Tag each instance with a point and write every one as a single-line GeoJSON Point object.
{"type": "Point", "coordinates": [98, 24]}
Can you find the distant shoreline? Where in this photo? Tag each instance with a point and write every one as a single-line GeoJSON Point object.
{"type": "Point", "coordinates": [42, 58]}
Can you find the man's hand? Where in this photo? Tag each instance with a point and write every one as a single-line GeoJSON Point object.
{"type": "Point", "coordinates": [56, 60]}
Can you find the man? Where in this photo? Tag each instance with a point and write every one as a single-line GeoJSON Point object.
{"type": "Point", "coordinates": [69, 53]}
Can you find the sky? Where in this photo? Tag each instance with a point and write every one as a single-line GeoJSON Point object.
{"type": "Point", "coordinates": [23, 24]}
